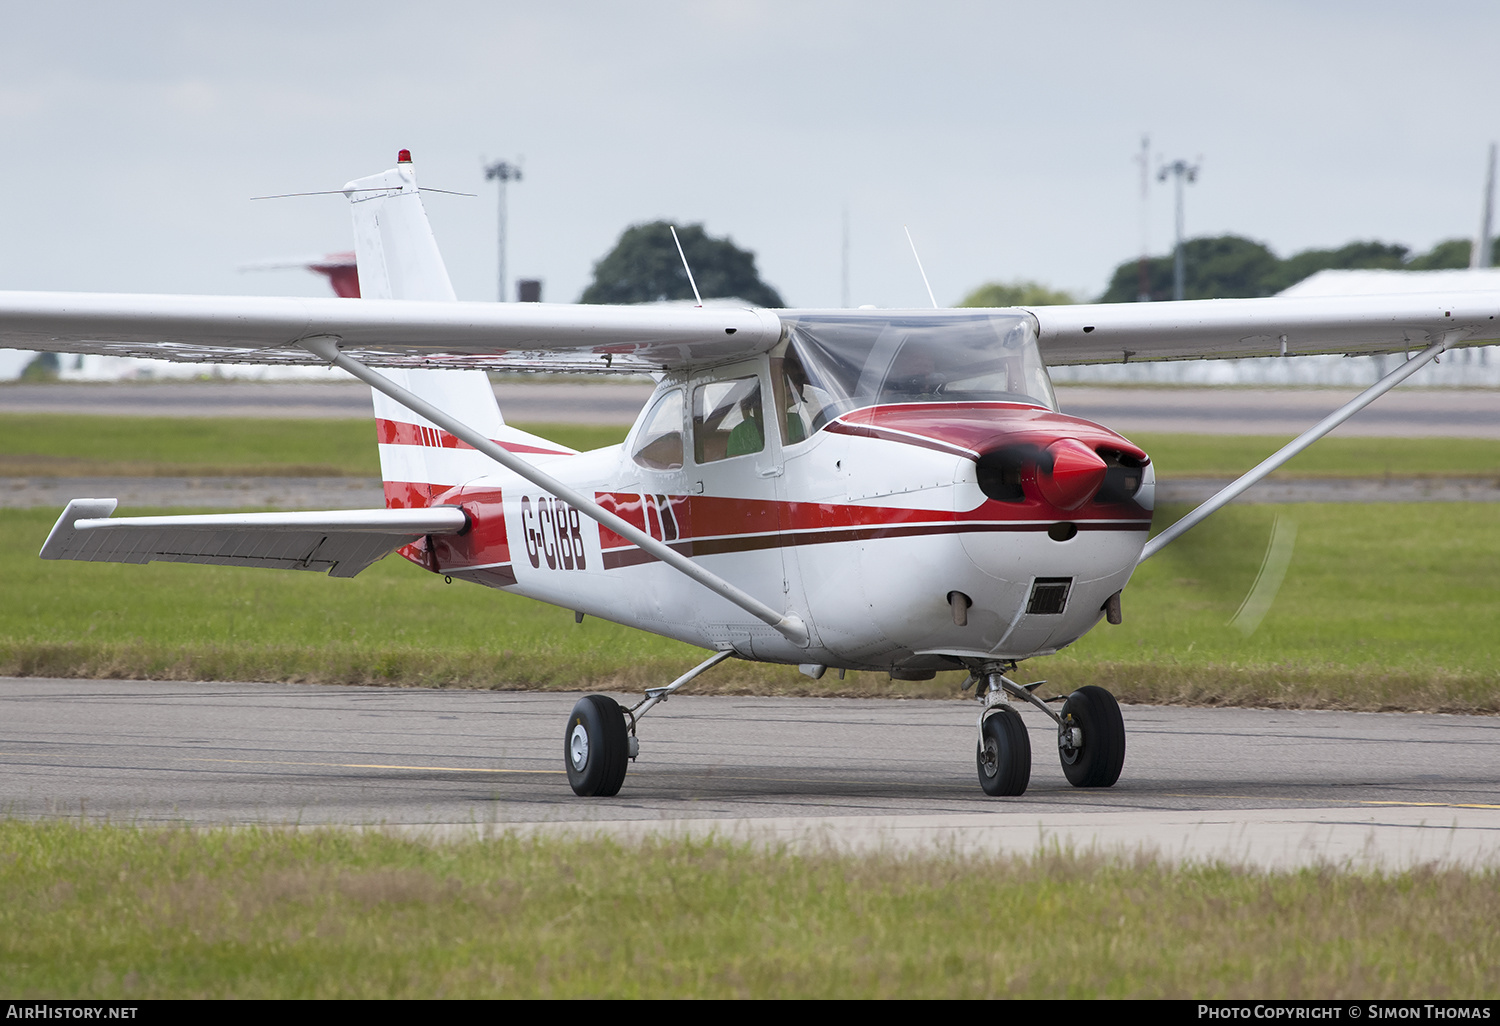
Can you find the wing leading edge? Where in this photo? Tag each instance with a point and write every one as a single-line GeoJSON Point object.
{"type": "Point", "coordinates": [340, 543]}
{"type": "Point", "coordinates": [1209, 329]}
{"type": "Point", "coordinates": [383, 332]}
{"type": "Point", "coordinates": [412, 333]}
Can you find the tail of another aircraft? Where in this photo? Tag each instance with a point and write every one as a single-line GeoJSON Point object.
{"type": "Point", "coordinates": [398, 258]}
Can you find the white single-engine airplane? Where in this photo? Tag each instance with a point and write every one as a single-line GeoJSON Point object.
{"type": "Point", "coordinates": [888, 490]}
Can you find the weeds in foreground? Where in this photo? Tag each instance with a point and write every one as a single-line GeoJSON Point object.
{"type": "Point", "coordinates": [107, 911]}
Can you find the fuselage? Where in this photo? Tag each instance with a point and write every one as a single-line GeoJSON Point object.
{"type": "Point", "coordinates": [865, 525]}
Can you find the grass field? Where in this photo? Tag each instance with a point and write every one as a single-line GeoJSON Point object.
{"type": "Point", "coordinates": [118, 912]}
{"type": "Point", "coordinates": [1384, 606]}
{"type": "Point", "coordinates": [61, 445]}
{"type": "Point", "coordinates": [68, 445]}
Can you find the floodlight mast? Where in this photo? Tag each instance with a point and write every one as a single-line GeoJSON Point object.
{"type": "Point", "coordinates": [1143, 287]}
{"type": "Point", "coordinates": [1484, 242]}
{"type": "Point", "coordinates": [1178, 169]}
{"type": "Point", "coordinates": [503, 172]}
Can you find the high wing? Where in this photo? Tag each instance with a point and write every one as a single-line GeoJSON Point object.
{"type": "Point", "coordinates": [500, 336]}
{"type": "Point", "coordinates": [1209, 329]}
{"type": "Point", "coordinates": [338, 542]}
{"type": "Point", "coordinates": [383, 332]}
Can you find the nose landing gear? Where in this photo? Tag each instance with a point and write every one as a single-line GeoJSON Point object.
{"type": "Point", "coordinates": [1090, 734]}
{"type": "Point", "coordinates": [1004, 756]}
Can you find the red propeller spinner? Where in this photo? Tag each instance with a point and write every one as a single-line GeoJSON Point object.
{"type": "Point", "coordinates": [1077, 472]}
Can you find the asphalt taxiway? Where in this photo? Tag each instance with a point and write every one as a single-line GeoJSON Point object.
{"type": "Point", "coordinates": [1261, 786]}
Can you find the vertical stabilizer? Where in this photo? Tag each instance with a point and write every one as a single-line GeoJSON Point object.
{"type": "Point", "coordinates": [398, 258]}
{"type": "Point", "coordinates": [393, 244]}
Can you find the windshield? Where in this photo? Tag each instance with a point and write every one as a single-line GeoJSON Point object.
{"type": "Point", "coordinates": [842, 361]}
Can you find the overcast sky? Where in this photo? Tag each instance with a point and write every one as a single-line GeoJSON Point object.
{"type": "Point", "coordinates": [1004, 135]}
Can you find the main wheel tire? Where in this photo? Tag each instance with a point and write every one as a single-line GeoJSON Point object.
{"type": "Point", "coordinates": [595, 747]}
{"type": "Point", "coordinates": [1004, 757]}
{"type": "Point", "coordinates": [1098, 760]}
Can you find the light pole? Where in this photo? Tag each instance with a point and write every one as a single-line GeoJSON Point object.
{"type": "Point", "coordinates": [1180, 170]}
{"type": "Point", "coordinates": [503, 172]}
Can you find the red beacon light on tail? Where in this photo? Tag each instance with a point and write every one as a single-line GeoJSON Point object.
{"type": "Point", "coordinates": [404, 157]}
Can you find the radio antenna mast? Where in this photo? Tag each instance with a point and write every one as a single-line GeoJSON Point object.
{"type": "Point", "coordinates": [920, 268]}
{"type": "Point", "coordinates": [685, 266]}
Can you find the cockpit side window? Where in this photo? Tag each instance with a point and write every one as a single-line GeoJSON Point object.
{"type": "Point", "coordinates": [797, 400]}
{"type": "Point", "coordinates": [727, 420]}
{"type": "Point", "coordinates": [658, 444]}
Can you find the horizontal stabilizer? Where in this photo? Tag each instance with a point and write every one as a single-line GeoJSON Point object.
{"type": "Point", "coordinates": [339, 542]}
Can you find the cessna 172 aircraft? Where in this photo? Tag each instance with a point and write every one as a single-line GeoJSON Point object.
{"type": "Point", "coordinates": [889, 490]}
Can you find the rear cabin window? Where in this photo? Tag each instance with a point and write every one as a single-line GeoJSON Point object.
{"type": "Point", "coordinates": [727, 420]}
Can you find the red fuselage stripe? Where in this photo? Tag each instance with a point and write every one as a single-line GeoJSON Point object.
{"type": "Point", "coordinates": [395, 432]}
{"type": "Point", "coordinates": [630, 555]}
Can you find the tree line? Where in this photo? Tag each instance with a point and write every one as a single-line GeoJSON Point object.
{"type": "Point", "coordinates": [644, 267]}
{"type": "Point", "coordinates": [1233, 267]}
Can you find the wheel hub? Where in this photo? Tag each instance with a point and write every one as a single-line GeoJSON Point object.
{"type": "Point", "coordinates": [1069, 741]}
{"type": "Point", "coordinates": [989, 757]}
{"type": "Point", "coordinates": [578, 747]}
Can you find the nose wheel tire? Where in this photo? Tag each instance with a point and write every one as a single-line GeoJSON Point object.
{"type": "Point", "coordinates": [596, 747]}
{"type": "Point", "coordinates": [1099, 756]}
{"type": "Point", "coordinates": [1004, 757]}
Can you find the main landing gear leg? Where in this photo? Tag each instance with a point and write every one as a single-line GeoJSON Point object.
{"type": "Point", "coordinates": [1090, 733]}
{"type": "Point", "coordinates": [598, 746]}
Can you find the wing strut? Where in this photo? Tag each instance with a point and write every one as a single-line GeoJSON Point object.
{"type": "Point", "coordinates": [789, 624]}
{"type": "Point", "coordinates": [1296, 445]}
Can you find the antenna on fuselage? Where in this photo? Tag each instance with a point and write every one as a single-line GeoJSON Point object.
{"type": "Point", "coordinates": [685, 266]}
{"type": "Point", "coordinates": [920, 268]}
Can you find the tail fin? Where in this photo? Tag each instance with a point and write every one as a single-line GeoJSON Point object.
{"type": "Point", "coordinates": [398, 258]}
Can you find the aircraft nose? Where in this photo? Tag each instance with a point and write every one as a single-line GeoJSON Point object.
{"type": "Point", "coordinates": [1075, 475]}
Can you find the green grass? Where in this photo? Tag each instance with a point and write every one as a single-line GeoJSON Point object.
{"type": "Point", "coordinates": [1177, 456]}
{"type": "Point", "coordinates": [394, 624]}
{"type": "Point", "coordinates": [124, 913]}
{"type": "Point", "coordinates": [80, 445]}
{"type": "Point", "coordinates": [1385, 606]}
{"type": "Point", "coordinates": [68, 445]}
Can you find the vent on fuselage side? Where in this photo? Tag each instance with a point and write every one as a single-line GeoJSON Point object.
{"type": "Point", "coordinates": [1049, 595]}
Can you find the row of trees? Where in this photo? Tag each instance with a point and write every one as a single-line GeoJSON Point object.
{"type": "Point", "coordinates": [644, 267]}
{"type": "Point", "coordinates": [1231, 267]}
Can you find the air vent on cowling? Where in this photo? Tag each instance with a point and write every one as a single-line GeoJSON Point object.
{"type": "Point", "coordinates": [1049, 595]}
